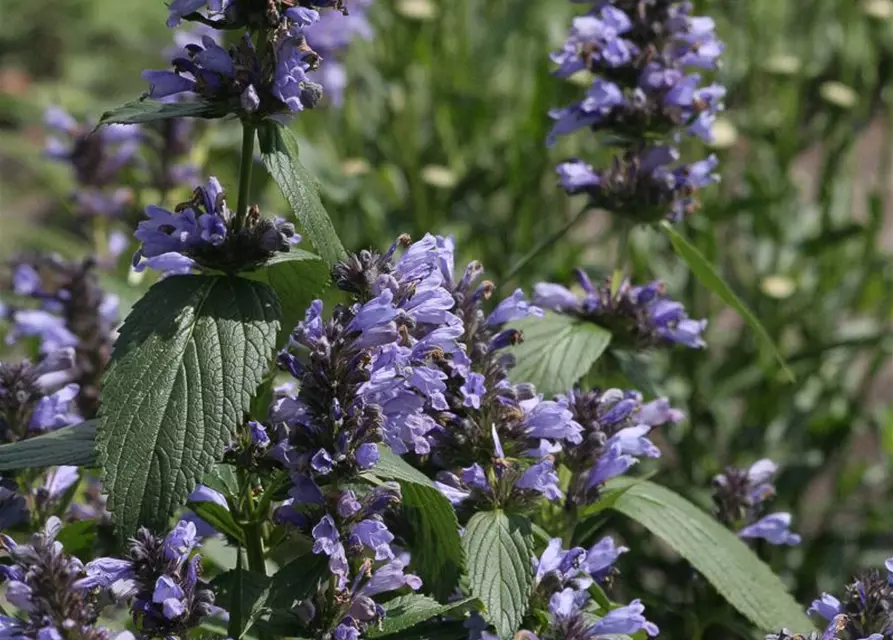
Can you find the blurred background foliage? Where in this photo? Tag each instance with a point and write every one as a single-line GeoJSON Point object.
{"type": "Point", "coordinates": [443, 130]}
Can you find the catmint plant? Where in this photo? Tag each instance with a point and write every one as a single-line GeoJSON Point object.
{"type": "Point", "coordinates": [646, 96]}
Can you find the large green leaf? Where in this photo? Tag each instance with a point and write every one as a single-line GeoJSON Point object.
{"type": "Point", "coordinates": [436, 547]}
{"type": "Point", "coordinates": [499, 548]}
{"type": "Point", "coordinates": [706, 274]}
{"type": "Point", "coordinates": [557, 351]}
{"type": "Point", "coordinates": [140, 111]}
{"type": "Point", "coordinates": [280, 154]}
{"type": "Point", "coordinates": [252, 590]}
{"type": "Point", "coordinates": [71, 445]}
{"type": "Point", "coordinates": [298, 277]}
{"type": "Point", "coordinates": [187, 361]}
{"type": "Point", "coordinates": [717, 553]}
{"type": "Point", "coordinates": [410, 610]}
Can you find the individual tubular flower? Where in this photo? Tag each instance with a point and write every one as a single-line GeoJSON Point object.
{"type": "Point", "coordinates": [739, 495]}
{"type": "Point", "coordinates": [40, 584]}
{"type": "Point", "coordinates": [97, 158]}
{"type": "Point", "coordinates": [639, 55]}
{"type": "Point", "coordinates": [615, 425]}
{"type": "Point", "coordinates": [330, 37]}
{"type": "Point", "coordinates": [160, 577]}
{"type": "Point", "coordinates": [73, 311]}
{"type": "Point", "coordinates": [640, 315]}
{"type": "Point", "coordinates": [204, 232]}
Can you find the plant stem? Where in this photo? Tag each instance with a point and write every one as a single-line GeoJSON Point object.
{"type": "Point", "coordinates": [247, 164]}
{"type": "Point", "coordinates": [545, 244]}
{"type": "Point", "coordinates": [254, 546]}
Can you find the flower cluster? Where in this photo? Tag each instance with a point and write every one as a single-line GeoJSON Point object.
{"type": "Point", "coordinates": [739, 495]}
{"type": "Point", "coordinates": [640, 315]}
{"type": "Point", "coordinates": [270, 80]}
{"type": "Point", "coordinates": [561, 605]}
{"type": "Point", "coordinates": [73, 311]}
{"type": "Point", "coordinates": [204, 232]}
{"type": "Point", "coordinates": [160, 577]}
{"type": "Point", "coordinates": [97, 159]}
{"type": "Point", "coordinates": [616, 425]}
{"type": "Point", "coordinates": [639, 54]}
{"type": "Point", "coordinates": [42, 584]}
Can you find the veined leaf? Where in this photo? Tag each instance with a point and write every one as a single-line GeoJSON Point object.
{"type": "Point", "coordinates": [188, 359]}
{"type": "Point", "coordinates": [280, 154]}
{"type": "Point", "coordinates": [404, 612]}
{"type": "Point", "coordinates": [557, 351]}
{"type": "Point", "coordinates": [708, 276]}
{"type": "Point", "coordinates": [499, 548]}
{"type": "Point", "coordinates": [140, 111]}
{"type": "Point", "coordinates": [717, 553]}
{"type": "Point", "coordinates": [297, 277]}
{"type": "Point", "coordinates": [74, 445]}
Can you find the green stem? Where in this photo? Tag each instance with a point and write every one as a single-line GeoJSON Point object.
{"type": "Point", "coordinates": [545, 244]}
{"type": "Point", "coordinates": [247, 164]}
{"type": "Point", "coordinates": [254, 546]}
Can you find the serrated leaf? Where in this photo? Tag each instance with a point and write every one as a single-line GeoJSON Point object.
{"type": "Point", "coordinates": [219, 518]}
{"type": "Point", "coordinates": [74, 445]}
{"type": "Point", "coordinates": [187, 361]}
{"type": "Point", "coordinates": [298, 580]}
{"type": "Point", "coordinates": [557, 351]}
{"type": "Point", "coordinates": [280, 155]}
{"type": "Point", "coordinates": [433, 631]}
{"type": "Point", "coordinates": [707, 275]}
{"type": "Point", "coordinates": [404, 612]}
{"type": "Point", "coordinates": [298, 277]}
{"type": "Point", "coordinates": [141, 111]}
{"type": "Point", "coordinates": [499, 548]}
{"type": "Point", "coordinates": [718, 554]}
{"type": "Point", "coordinates": [435, 544]}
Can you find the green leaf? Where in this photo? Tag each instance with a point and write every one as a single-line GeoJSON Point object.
{"type": "Point", "coordinates": [70, 445]}
{"type": "Point", "coordinates": [407, 611]}
{"type": "Point", "coordinates": [298, 277]}
{"type": "Point", "coordinates": [717, 553]}
{"type": "Point", "coordinates": [453, 630]}
{"type": "Point", "coordinates": [436, 547]}
{"type": "Point", "coordinates": [499, 547]}
{"type": "Point", "coordinates": [298, 580]}
{"type": "Point", "coordinates": [140, 111]}
{"type": "Point", "coordinates": [557, 351]}
{"type": "Point", "coordinates": [253, 589]}
{"type": "Point", "coordinates": [705, 273]}
{"type": "Point", "coordinates": [280, 154]}
{"type": "Point", "coordinates": [222, 478]}
{"type": "Point", "coordinates": [185, 365]}
{"type": "Point", "coordinates": [219, 518]}
{"type": "Point", "coordinates": [78, 538]}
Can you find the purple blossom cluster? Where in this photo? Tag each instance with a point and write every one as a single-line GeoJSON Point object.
{"type": "Point", "coordinates": [639, 54]}
{"type": "Point", "coordinates": [560, 600]}
{"type": "Point", "coordinates": [616, 425]}
{"type": "Point", "coordinates": [160, 578]}
{"type": "Point", "coordinates": [273, 80]}
{"type": "Point", "coordinates": [740, 494]}
{"type": "Point", "coordinates": [97, 158]}
{"type": "Point", "coordinates": [640, 315]}
{"type": "Point", "coordinates": [204, 232]}
{"type": "Point", "coordinates": [865, 613]}
{"type": "Point", "coordinates": [41, 583]}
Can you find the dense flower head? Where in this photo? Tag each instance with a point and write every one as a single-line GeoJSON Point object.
{"type": "Point", "coordinates": [72, 312]}
{"type": "Point", "coordinates": [740, 496]}
{"type": "Point", "coordinates": [97, 158]}
{"type": "Point", "coordinates": [561, 606]}
{"type": "Point", "coordinates": [640, 315]}
{"type": "Point", "coordinates": [640, 55]}
{"type": "Point", "coordinates": [160, 577]}
{"type": "Point", "coordinates": [41, 585]}
{"type": "Point", "coordinates": [205, 232]}
{"type": "Point", "coordinates": [616, 424]}
{"type": "Point", "coordinates": [865, 612]}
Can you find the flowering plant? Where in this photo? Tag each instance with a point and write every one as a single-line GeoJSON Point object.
{"type": "Point", "coordinates": [401, 465]}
